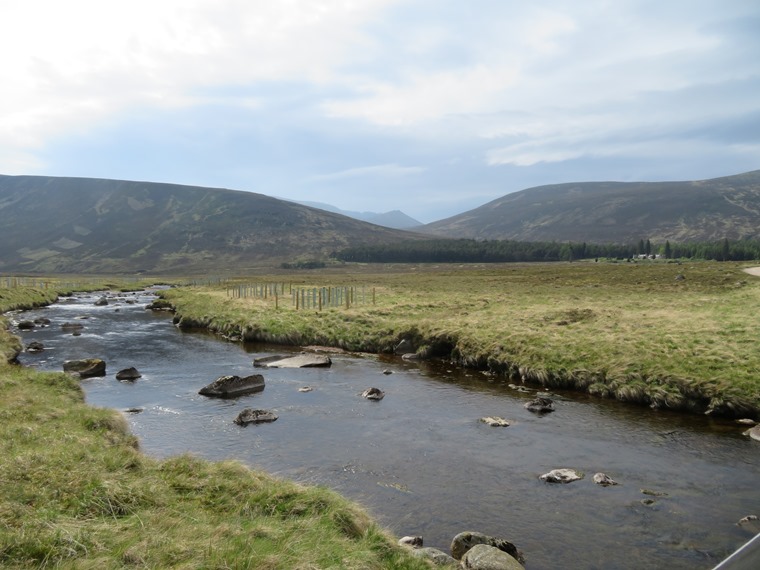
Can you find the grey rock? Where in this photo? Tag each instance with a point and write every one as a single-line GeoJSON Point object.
{"type": "Point", "coordinates": [35, 346]}
{"type": "Point", "coordinates": [72, 326]}
{"type": "Point", "coordinates": [233, 386]}
{"type": "Point", "coordinates": [304, 360]}
{"type": "Point", "coordinates": [413, 541]}
{"type": "Point", "coordinates": [495, 421]}
{"type": "Point", "coordinates": [130, 373]}
{"type": "Point", "coordinates": [561, 476]}
{"type": "Point", "coordinates": [753, 433]}
{"type": "Point", "coordinates": [411, 357]}
{"type": "Point", "coordinates": [604, 480]}
{"type": "Point", "coordinates": [102, 302]}
{"type": "Point", "coordinates": [540, 405]}
{"type": "Point", "coordinates": [86, 367]}
{"type": "Point", "coordinates": [485, 557]}
{"type": "Point", "coordinates": [26, 325]}
{"type": "Point", "coordinates": [251, 416]}
{"type": "Point", "coordinates": [437, 557]}
{"type": "Point", "coordinates": [464, 541]}
{"type": "Point", "coordinates": [373, 394]}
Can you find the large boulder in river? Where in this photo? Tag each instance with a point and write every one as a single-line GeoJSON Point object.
{"type": "Point", "coordinates": [130, 373]}
{"type": "Point", "coordinates": [72, 326]}
{"type": "Point", "coordinates": [540, 405]}
{"type": "Point", "coordinates": [375, 394]}
{"type": "Point", "coordinates": [86, 367]}
{"type": "Point", "coordinates": [102, 302]}
{"type": "Point", "coordinates": [464, 541]}
{"type": "Point", "coordinates": [303, 360]}
{"type": "Point", "coordinates": [233, 386]}
{"type": "Point", "coordinates": [485, 557]}
{"type": "Point", "coordinates": [35, 346]}
{"type": "Point", "coordinates": [251, 416]}
{"type": "Point", "coordinates": [26, 325]}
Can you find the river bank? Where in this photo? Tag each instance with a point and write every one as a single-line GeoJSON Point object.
{"type": "Point", "coordinates": [76, 491]}
{"type": "Point", "coordinates": [664, 335]}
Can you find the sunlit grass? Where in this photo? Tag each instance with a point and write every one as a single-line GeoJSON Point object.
{"type": "Point", "coordinates": [676, 335]}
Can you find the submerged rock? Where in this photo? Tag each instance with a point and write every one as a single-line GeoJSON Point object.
{"type": "Point", "coordinates": [232, 386]}
{"type": "Point", "coordinates": [464, 541]}
{"type": "Point", "coordinates": [373, 394]}
{"type": "Point", "coordinates": [561, 476]}
{"type": "Point", "coordinates": [495, 421]}
{"type": "Point", "coordinates": [86, 367]}
{"type": "Point", "coordinates": [540, 405]}
{"type": "Point", "coordinates": [303, 360]}
{"type": "Point", "coordinates": [251, 416]}
{"type": "Point", "coordinates": [72, 326]}
{"type": "Point", "coordinates": [305, 389]}
{"type": "Point", "coordinates": [130, 373]}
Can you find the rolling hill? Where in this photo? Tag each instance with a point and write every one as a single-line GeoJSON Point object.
{"type": "Point", "coordinates": [616, 212]}
{"type": "Point", "coordinates": [87, 225]}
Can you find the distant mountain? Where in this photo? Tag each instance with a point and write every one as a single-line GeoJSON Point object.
{"type": "Point", "coordinates": [78, 225]}
{"type": "Point", "coordinates": [394, 219]}
{"type": "Point", "coordinates": [617, 212]}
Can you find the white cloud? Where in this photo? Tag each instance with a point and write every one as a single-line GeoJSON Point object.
{"type": "Point", "coordinates": [380, 170]}
{"type": "Point", "coordinates": [245, 94]}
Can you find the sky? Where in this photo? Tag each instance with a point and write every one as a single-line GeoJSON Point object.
{"type": "Point", "coordinates": [432, 107]}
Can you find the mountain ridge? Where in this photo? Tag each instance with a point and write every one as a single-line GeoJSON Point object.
{"type": "Point", "coordinates": [616, 212]}
{"type": "Point", "coordinates": [96, 225]}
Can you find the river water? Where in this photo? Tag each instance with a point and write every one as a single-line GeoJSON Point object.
{"type": "Point", "coordinates": [420, 460]}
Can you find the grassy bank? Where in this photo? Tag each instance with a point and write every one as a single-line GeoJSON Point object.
{"type": "Point", "coordinates": [75, 492]}
{"type": "Point", "coordinates": [664, 334]}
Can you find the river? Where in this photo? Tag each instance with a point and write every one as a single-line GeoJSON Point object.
{"type": "Point", "coordinates": [420, 460]}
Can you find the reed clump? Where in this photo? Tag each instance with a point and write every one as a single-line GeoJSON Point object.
{"type": "Point", "coordinates": [668, 335]}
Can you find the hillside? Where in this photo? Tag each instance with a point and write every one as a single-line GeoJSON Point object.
{"type": "Point", "coordinates": [617, 212]}
{"type": "Point", "coordinates": [84, 225]}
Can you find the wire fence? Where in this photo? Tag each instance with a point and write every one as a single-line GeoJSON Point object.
{"type": "Point", "coordinates": [305, 297]}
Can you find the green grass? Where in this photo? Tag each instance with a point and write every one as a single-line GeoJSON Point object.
{"type": "Point", "coordinates": [631, 331]}
{"type": "Point", "coordinates": [76, 492]}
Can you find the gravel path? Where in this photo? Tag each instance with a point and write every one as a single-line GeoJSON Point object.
{"type": "Point", "coordinates": [753, 271]}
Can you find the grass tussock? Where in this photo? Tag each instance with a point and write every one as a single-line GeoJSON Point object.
{"type": "Point", "coordinates": [662, 334]}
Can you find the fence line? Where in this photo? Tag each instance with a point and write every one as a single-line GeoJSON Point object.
{"type": "Point", "coordinates": [303, 297]}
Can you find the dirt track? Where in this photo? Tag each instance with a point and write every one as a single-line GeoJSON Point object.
{"type": "Point", "coordinates": [753, 271]}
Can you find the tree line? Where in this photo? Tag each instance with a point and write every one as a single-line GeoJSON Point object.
{"type": "Point", "coordinates": [501, 251]}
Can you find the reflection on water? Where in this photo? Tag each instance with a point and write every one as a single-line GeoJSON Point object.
{"type": "Point", "coordinates": [419, 459]}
